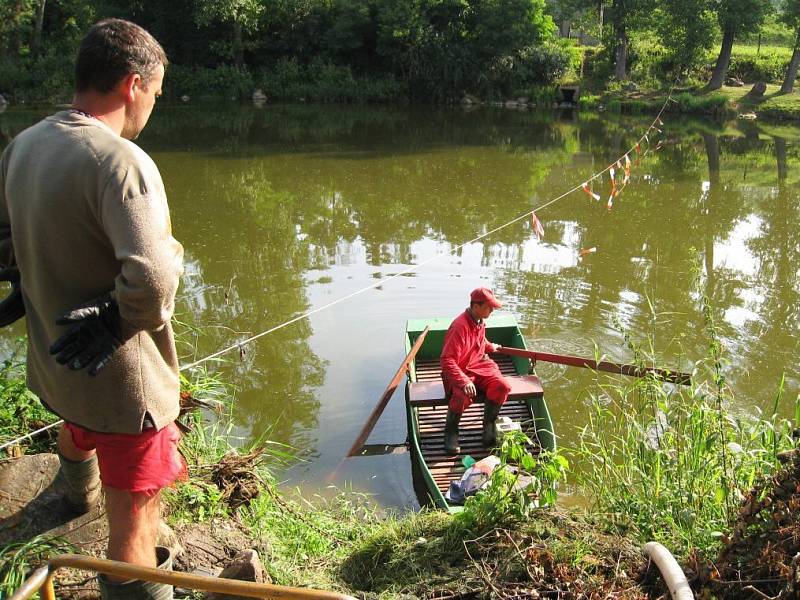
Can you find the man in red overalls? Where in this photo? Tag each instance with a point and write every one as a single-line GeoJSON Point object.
{"type": "Point", "coordinates": [467, 369]}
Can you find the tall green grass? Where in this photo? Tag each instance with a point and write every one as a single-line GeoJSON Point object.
{"type": "Point", "coordinates": [308, 539]}
{"type": "Point", "coordinates": [671, 464]}
{"type": "Point", "coordinates": [18, 559]}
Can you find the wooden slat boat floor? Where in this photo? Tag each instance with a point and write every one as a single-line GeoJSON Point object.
{"type": "Point", "coordinates": [445, 468]}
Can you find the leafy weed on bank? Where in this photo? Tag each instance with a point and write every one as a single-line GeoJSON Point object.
{"type": "Point", "coordinates": [20, 410]}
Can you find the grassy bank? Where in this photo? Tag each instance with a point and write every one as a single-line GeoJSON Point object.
{"type": "Point", "coordinates": [672, 464]}
{"type": "Point", "coordinates": [726, 102]}
{"type": "Point", "coordinates": [504, 542]}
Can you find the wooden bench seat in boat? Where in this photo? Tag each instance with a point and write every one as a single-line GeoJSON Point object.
{"type": "Point", "coordinates": [431, 392]}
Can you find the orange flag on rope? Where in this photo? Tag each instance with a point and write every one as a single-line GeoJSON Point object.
{"type": "Point", "coordinates": [588, 190]}
{"type": "Point", "coordinates": [627, 170]}
{"type": "Point", "coordinates": [613, 174]}
{"type": "Point", "coordinates": [585, 251]}
{"type": "Point", "coordinates": [538, 229]}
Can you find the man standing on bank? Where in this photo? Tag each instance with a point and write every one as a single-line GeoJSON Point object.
{"type": "Point", "coordinates": [84, 219]}
{"type": "Point", "coordinates": [467, 369]}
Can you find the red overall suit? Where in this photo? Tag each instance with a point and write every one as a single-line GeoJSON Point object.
{"type": "Point", "coordinates": [464, 359]}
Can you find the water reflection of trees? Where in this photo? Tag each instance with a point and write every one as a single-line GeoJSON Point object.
{"type": "Point", "coordinates": [257, 273]}
{"type": "Point", "coordinates": [271, 194]}
{"type": "Point", "coordinates": [777, 248]}
{"type": "Point", "coordinates": [369, 177]}
{"type": "Point", "coordinates": [652, 247]}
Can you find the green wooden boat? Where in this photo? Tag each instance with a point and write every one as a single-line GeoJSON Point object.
{"type": "Point", "coordinates": [426, 407]}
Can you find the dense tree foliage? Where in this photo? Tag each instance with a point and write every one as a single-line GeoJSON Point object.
{"type": "Point", "coordinates": [366, 50]}
{"type": "Point", "coordinates": [686, 29]}
{"type": "Point", "coordinates": [433, 49]}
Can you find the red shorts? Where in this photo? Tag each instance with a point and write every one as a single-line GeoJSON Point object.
{"type": "Point", "coordinates": [144, 462]}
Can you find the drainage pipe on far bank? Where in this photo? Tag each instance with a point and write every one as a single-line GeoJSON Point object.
{"type": "Point", "coordinates": [670, 570]}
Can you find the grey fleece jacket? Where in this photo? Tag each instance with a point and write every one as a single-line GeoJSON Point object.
{"type": "Point", "coordinates": [83, 212]}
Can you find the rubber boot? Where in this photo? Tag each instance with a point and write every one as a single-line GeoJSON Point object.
{"type": "Point", "coordinates": [451, 432]}
{"type": "Point", "coordinates": [82, 478]}
{"type": "Point", "coordinates": [136, 589]}
{"type": "Point", "coordinates": [490, 412]}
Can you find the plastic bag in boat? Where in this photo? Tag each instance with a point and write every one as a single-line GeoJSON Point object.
{"type": "Point", "coordinates": [474, 478]}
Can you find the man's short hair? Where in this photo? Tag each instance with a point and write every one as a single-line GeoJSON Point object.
{"type": "Point", "coordinates": [112, 50]}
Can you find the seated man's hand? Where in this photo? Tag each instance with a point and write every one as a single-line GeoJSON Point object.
{"type": "Point", "coordinates": [494, 347]}
{"type": "Point", "coordinates": [470, 390]}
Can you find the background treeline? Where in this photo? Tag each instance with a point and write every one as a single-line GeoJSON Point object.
{"type": "Point", "coordinates": [315, 49]}
{"type": "Point", "coordinates": [660, 41]}
{"type": "Point", "coordinates": [430, 50]}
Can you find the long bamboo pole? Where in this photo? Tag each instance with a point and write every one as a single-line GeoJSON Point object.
{"type": "Point", "coordinates": [42, 579]}
{"type": "Point", "coordinates": [668, 375]}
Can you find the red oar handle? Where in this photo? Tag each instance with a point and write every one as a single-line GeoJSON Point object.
{"type": "Point", "coordinates": [676, 377]}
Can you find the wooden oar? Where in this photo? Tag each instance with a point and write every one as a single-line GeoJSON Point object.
{"type": "Point", "coordinates": [576, 361]}
{"type": "Point", "coordinates": [378, 410]}
{"type": "Point", "coordinates": [355, 449]}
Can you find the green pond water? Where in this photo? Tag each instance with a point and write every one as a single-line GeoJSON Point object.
{"type": "Point", "coordinates": [286, 209]}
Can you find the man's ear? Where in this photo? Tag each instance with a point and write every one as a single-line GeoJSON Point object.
{"type": "Point", "coordinates": [127, 86]}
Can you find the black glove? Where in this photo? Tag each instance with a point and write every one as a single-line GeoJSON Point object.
{"type": "Point", "coordinates": [12, 307]}
{"type": "Point", "coordinates": [94, 337]}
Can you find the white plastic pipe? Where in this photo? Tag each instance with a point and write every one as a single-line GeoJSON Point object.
{"type": "Point", "coordinates": [670, 570]}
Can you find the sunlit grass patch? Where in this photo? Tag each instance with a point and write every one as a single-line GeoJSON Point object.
{"type": "Point", "coordinates": [671, 464]}
{"type": "Point", "coordinates": [308, 540]}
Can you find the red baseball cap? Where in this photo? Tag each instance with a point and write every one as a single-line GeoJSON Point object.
{"type": "Point", "coordinates": [483, 294]}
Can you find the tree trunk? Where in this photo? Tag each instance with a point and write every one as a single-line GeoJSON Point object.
{"type": "Point", "coordinates": [36, 42]}
{"type": "Point", "coordinates": [780, 156]}
{"type": "Point", "coordinates": [621, 42]}
{"type": "Point", "coordinates": [15, 39]}
{"type": "Point", "coordinates": [711, 142]}
{"type": "Point", "coordinates": [791, 71]}
{"type": "Point", "coordinates": [723, 60]}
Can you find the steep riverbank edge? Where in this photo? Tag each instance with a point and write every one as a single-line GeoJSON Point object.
{"type": "Point", "coordinates": [347, 545]}
{"type": "Point", "coordinates": [422, 555]}
{"type": "Point", "coordinates": [344, 545]}
{"type": "Point", "coordinates": [230, 503]}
